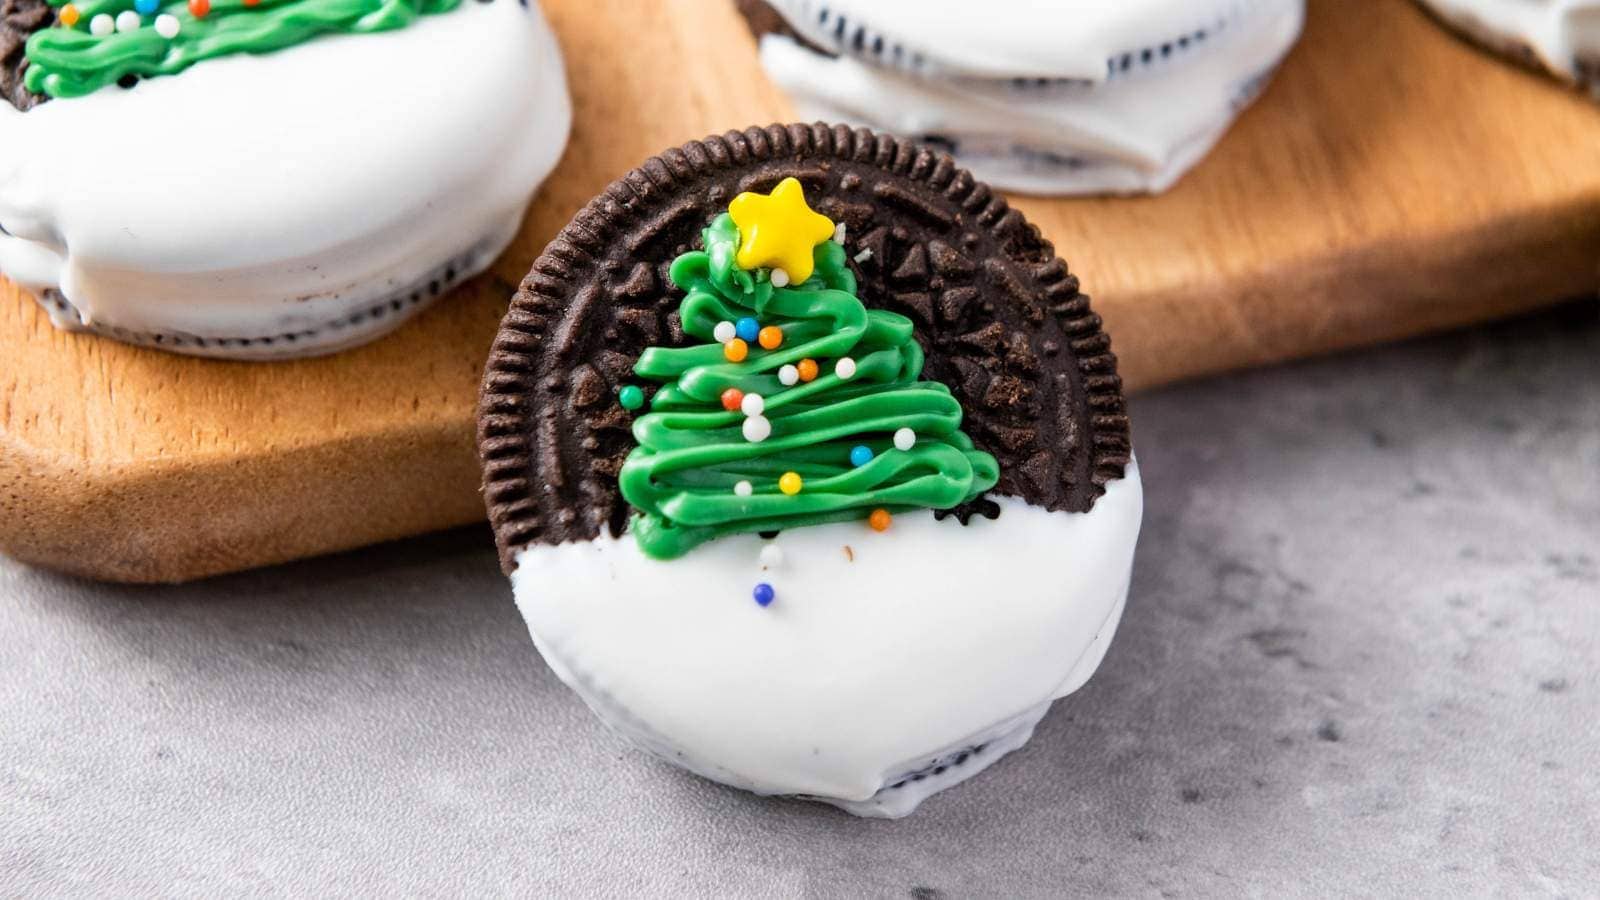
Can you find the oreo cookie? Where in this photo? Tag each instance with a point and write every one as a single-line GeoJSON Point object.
{"type": "Point", "coordinates": [1557, 38]}
{"type": "Point", "coordinates": [1043, 98]}
{"type": "Point", "coordinates": [909, 456]}
{"type": "Point", "coordinates": [262, 229]}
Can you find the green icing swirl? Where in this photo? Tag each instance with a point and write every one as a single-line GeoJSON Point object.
{"type": "Point", "coordinates": [71, 62]}
{"type": "Point", "coordinates": [691, 452]}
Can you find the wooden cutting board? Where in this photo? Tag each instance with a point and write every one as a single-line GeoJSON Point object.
{"type": "Point", "coordinates": [1391, 180]}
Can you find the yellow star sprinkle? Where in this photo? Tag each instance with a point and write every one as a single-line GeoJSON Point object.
{"type": "Point", "coordinates": [779, 230]}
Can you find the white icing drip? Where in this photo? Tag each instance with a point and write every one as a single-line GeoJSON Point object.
{"type": "Point", "coordinates": [253, 196]}
{"type": "Point", "coordinates": [1140, 110]}
{"type": "Point", "coordinates": [1558, 31]}
{"type": "Point", "coordinates": [867, 666]}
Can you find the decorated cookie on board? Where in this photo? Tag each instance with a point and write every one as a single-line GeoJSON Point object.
{"type": "Point", "coordinates": [266, 178]}
{"type": "Point", "coordinates": [1066, 97]}
{"type": "Point", "coordinates": [810, 467]}
{"type": "Point", "coordinates": [1561, 37]}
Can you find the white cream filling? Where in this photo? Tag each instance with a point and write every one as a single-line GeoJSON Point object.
{"type": "Point", "coordinates": [1143, 99]}
{"type": "Point", "coordinates": [254, 196]}
{"type": "Point", "coordinates": [1558, 31]}
{"type": "Point", "coordinates": [872, 661]}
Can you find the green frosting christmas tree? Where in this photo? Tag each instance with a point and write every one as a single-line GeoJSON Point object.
{"type": "Point", "coordinates": [99, 42]}
{"type": "Point", "coordinates": [801, 407]}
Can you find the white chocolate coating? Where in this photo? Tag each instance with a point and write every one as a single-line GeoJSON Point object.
{"type": "Point", "coordinates": [325, 190]}
{"type": "Point", "coordinates": [1560, 34]}
{"type": "Point", "coordinates": [894, 660]}
{"type": "Point", "coordinates": [1072, 97]}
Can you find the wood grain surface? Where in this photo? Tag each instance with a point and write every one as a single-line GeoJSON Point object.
{"type": "Point", "coordinates": [1390, 181]}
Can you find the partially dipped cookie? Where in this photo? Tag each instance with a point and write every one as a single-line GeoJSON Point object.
{"type": "Point", "coordinates": [1067, 97]}
{"type": "Point", "coordinates": [1561, 37]}
{"type": "Point", "coordinates": [810, 466]}
{"type": "Point", "coordinates": [266, 178]}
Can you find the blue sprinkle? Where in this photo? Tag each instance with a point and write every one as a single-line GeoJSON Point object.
{"type": "Point", "coordinates": [747, 328]}
{"type": "Point", "coordinates": [146, 7]}
{"type": "Point", "coordinates": [763, 594]}
{"type": "Point", "coordinates": [860, 455]}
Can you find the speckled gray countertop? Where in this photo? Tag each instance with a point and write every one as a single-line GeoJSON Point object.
{"type": "Point", "coordinates": [1362, 656]}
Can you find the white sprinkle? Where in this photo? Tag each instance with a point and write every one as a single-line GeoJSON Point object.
{"type": "Point", "coordinates": [864, 255]}
{"type": "Point", "coordinates": [845, 368]}
{"type": "Point", "coordinates": [743, 489]}
{"type": "Point", "coordinates": [838, 233]}
{"type": "Point", "coordinates": [724, 332]}
{"type": "Point", "coordinates": [788, 376]}
{"type": "Point", "coordinates": [905, 439]}
{"type": "Point", "coordinates": [771, 556]}
{"type": "Point", "coordinates": [780, 278]}
{"type": "Point", "coordinates": [752, 405]}
{"type": "Point", "coordinates": [757, 429]}
{"type": "Point", "coordinates": [102, 25]}
{"type": "Point", "coordinates": [167, 26]}
{"type": "Point", "coordinates": [128, 20]}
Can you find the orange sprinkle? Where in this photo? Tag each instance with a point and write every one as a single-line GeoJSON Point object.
{"type": "Point", "coordinates": [879, 520]}
{"type": "Point", "coordinates": [736, 350]}
{"type": "Point", "coordinates": [70, 15]}
{"type": "Point", "coordinates": [252, 2]}
{"type": "Point", "coordinates": [731, 398]}
{"type": "Point", "coordinates": [199, 8]}
{"type": "Point", "coordinates": [808, 369]}
{"type": "Point", "coordinates": [789, 483]}
{"type": "Point", "coordinates": [771, 337]}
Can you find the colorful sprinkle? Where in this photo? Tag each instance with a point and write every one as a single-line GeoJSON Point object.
{"type": "Point", "coordinates": [860, 455]}
{"type": "Point", "coordinates": [757, 429]}
{"type": "Point", "coordinates": [780, 278]}
{"type": "Point", "coordinates": [808, 369]}
{"type": "Point", "coordinates": [167, 26]}
{"type": "Point", "coordinates": [845, 368]}
{"type": "Point", "coordinates": [731, 398]}
{"type": "Point", "coordinates": [764, 594]}
{"type": "Point", "coordinates": [747, 328]}
{"type": "Point", "coordinates": [199, 8]}
{"type": "Point", "coordinates": [905, 439]}
{"type": "Point", "coordinates": [770, 338]}
{"type": "Point", "coordinates": [771, 556]}
{"type": "Point", "coordinates": [631, 397]}
{"type": "Point", "coordinates": [753, 405]}
{"type": "Point", "coordinates": [744, 489]}
{"type": "Point", "coordinates": [779, 230]}
{"type": "Point", "coordinates": [128, 20]}
{"type": "Point", "coordinates": [736, 350]}
{"type": "Point", "coordinates": [724, 332]}
{"type": "Point", "coordinates": [880, 519]}
{"type": "Point", "coordinates": [838, 233]}
{"type": "Point", "coordinates": [102, 25]}
{"type": "Point", "coordinates": [146, 7]}
{"type": "Point", "coordinates": [70, 15]}
{"type": "Point", "coordinates": [788, 376]}
{"type": "Point", "coordinates": [789, 483]}
{"type": "Point", "coordinates": [252, 2]}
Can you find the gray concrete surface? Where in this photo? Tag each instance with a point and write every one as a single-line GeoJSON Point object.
{"type": "Point", "coordinates": [1362, 657]}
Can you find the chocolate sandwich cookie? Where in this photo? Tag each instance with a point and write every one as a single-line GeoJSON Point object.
{"type": "Point", "coordinates": [259, 180]}
{"type": "Point", "coordinates": [810, 465]}
{"type": "Point", "coordinates": [1063, 98]}
{"type": "Point", "coordinates": [1561, 37]}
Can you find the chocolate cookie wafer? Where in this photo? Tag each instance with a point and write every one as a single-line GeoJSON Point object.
{"type": "Point", "coordinates": [810, 465]}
